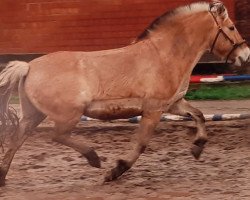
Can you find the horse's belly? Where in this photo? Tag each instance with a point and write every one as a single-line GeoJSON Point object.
{"type": "Point", "coordinates": [114, 109]}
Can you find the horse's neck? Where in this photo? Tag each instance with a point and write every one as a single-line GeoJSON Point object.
{"type": "Point", "coordinates": [184, 42]}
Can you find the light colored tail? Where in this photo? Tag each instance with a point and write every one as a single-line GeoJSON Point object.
{"type": "Point", "coordinates": [9, 79]}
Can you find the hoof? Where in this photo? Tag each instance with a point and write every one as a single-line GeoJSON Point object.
{"type": "Point", "coordinates": [198, 147]}
{"type": "Point", "coordinates": [196, 151]}
{"type": "Point", "coordinates": [122, 166]}
{"type": "Point", "coordinates": [93, 159]}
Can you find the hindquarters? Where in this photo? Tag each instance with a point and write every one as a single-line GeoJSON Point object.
{"type": "Point", "coordinates": [57, 89]}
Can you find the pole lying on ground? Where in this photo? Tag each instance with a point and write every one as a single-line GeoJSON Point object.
{"type": "Point", "coordinates": [169, 117]}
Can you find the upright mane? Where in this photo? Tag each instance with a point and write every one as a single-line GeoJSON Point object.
{"type": "Point", "coordinates": [170, 15]}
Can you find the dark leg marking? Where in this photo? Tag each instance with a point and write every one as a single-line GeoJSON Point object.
{"type": "Point", "coordinates": [143, 148]}
{"type": "Point", "coordinates": [200, 142]}
{"type": "Point", "coordinates": [122, 166]}
{"type": "Point", "coordinates": [93, 158]}
{"type": "Point", "coordinates": [2, 177]}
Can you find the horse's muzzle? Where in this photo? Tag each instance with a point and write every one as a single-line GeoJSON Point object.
{"type": "Point", "coordinates": [243, 57]}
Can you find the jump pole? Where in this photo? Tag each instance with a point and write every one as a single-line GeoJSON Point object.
{"type": "Point", "coordinates": [169, 117]}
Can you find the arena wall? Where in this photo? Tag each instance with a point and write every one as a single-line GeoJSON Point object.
{"type": "Point", "coordinates": [43, 26]}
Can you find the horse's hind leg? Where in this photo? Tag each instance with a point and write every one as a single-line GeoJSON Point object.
{"type": "Point", "coordinates": [31, 118]}
{"type": "Point", "coordinates": [63, 136]}
{"type": "Point", "coordinates": [146, 129]}
{"type": "Point", "coordinates": [183, 108]}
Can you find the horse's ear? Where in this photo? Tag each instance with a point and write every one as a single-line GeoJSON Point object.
{"type": "Point", "coordinates": [218, 8]}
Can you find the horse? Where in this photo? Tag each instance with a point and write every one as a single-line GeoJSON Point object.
{"type": "Point", "coordinates": [147, 78]}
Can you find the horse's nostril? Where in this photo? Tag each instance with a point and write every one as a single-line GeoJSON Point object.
{"type": "Point", "coordinates": [242, 59]}
{"type": "Point", "coordinates": [248, 59]}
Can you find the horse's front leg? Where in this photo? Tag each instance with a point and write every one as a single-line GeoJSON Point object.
{"type": "Point", "coordinates": [147, 125]}
{"type": "Point", "coordinates": [183, 108]}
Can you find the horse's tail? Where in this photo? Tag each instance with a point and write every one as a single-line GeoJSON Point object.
{"type": "Point", "coordinates": [9, 80]}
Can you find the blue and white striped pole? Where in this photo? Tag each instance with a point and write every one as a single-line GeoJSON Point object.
{"type": "Point", "coordinates": [169, 117]}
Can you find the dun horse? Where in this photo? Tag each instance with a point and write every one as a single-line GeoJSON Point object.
{"type": "Point", "coordinates": [146, 78]}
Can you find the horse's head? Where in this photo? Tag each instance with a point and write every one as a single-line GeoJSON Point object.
{"type": "Point", "coordinates": [227, 43]}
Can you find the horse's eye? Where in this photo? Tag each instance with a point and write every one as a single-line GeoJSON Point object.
{"type": "Point", "coordinates": [231, 28]}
